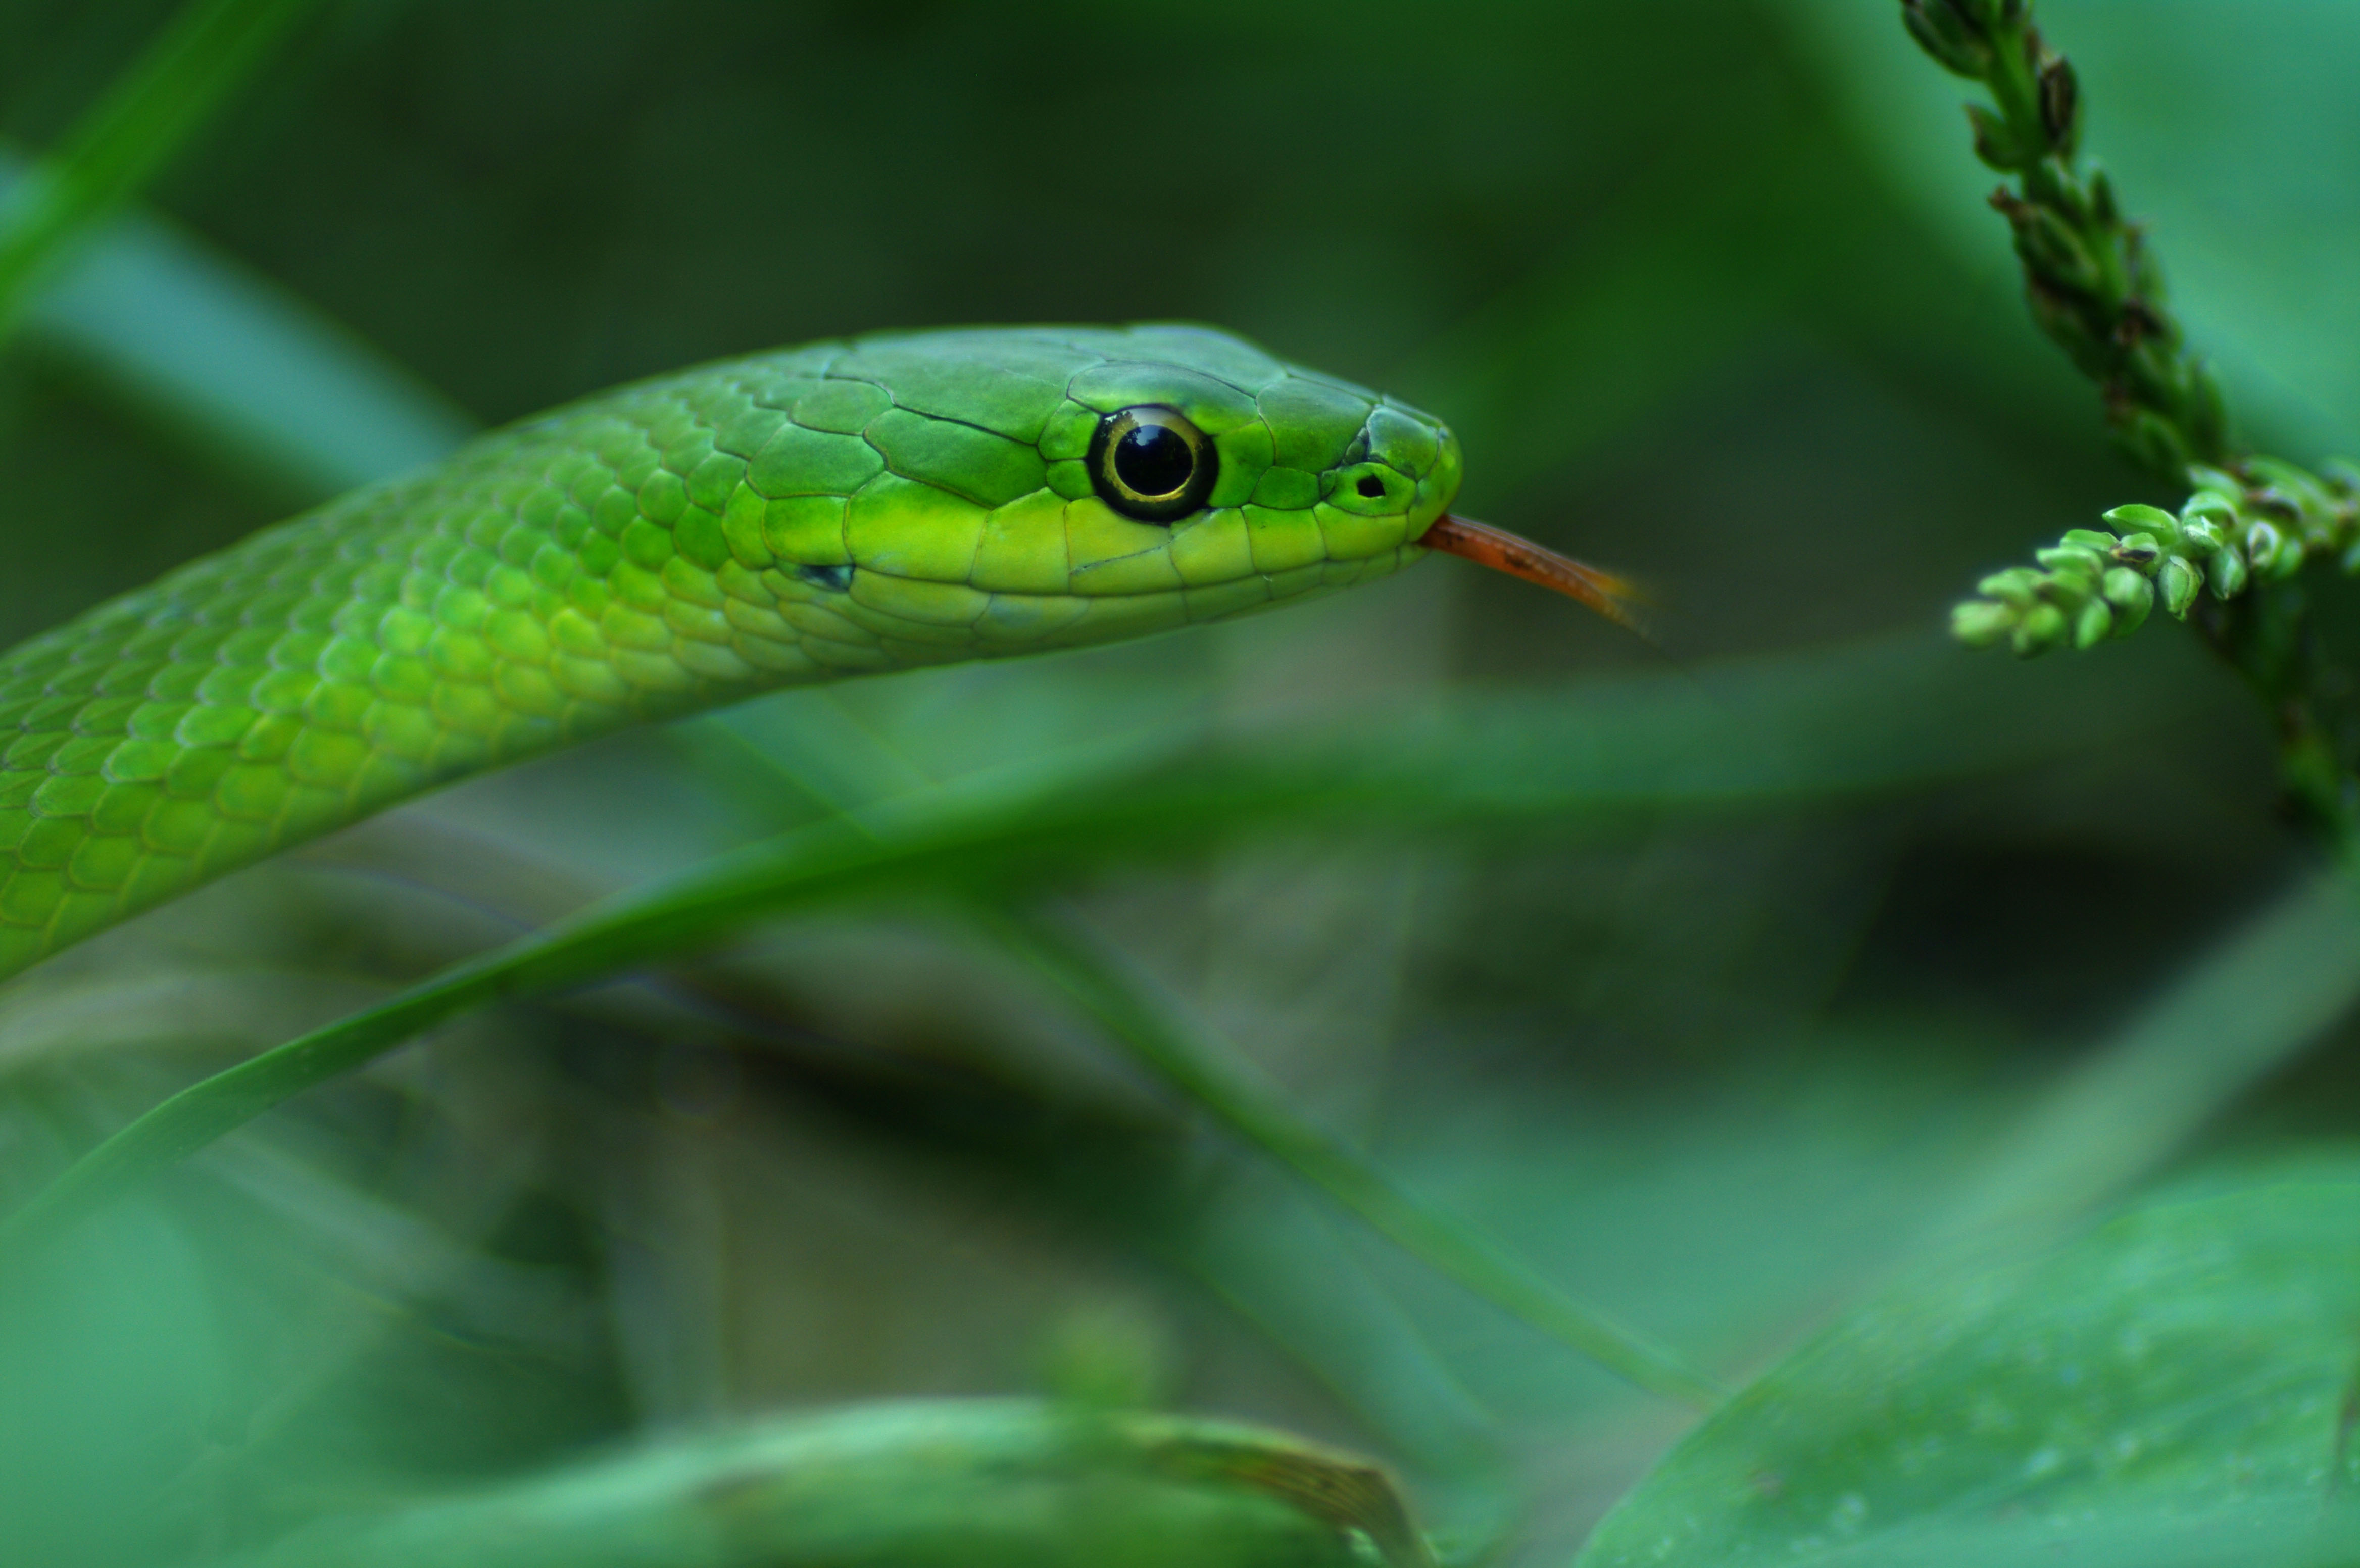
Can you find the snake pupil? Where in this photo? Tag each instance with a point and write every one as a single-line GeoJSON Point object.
{"type": "Point", "coordinates": [1154, 459]}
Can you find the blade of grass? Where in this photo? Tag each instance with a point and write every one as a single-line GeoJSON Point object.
{"type": "Point", "coordinates": [2249, 1007]}
{"type": "Point", "coordinates": [609, 936]}
{"type": "Point", "coordinates": [1190, 1058]}
{"type": "Point", "coordinates": [1271, 1257]}
{"type": "Point", "coordinates": [1273, 1251]}
{"type": "Point", "coordinates": [244, 371]}
{"type": "Point", "coordinates": [142, 120]}
{"type": "Point", "coordinates": [983, 1482]}
{"type": "Point", "coordinates": [1623, 751]}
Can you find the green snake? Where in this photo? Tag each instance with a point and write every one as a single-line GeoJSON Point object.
{"type": "Point", "coordinates": [834, 509]}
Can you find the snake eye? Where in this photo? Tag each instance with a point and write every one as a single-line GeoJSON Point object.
{"type": "Point", "coordinates": [1151, 463]}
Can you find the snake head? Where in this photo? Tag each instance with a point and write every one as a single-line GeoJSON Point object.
{"type": "Point", "coordinates": [1270, 482]}
{"type": "Point", "coordinates": [1003, 490]}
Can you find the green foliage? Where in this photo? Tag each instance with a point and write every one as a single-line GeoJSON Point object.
{"type": "Point", "coordinates": [1204, 1069]}
{"type": "Point", "coordinates": [1489, 767]}
{"type": "Point", "coordinates": [2164, 1390]}
{"type": "Point", "coordinates": [134, 130]}
{"type": "Point", "coordinates": [2094, 288]}
{"type": "Point", "coordinates": [2097, 293]}
{"type": "Point", "coordinates": [259, 381]}
{"type": "Point", "coordinates": [2091, 586]}
{"type": "Point", "coordinates": [954, 1484]}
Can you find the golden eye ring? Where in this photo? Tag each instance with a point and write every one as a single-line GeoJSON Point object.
{"type": "Point", "coordinates": [1151, 465]}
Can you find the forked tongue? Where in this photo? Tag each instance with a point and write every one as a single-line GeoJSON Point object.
{"type": "Point", "coordinates": [1608, 595]}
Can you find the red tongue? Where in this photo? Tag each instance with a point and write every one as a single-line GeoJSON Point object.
{"type": "Point", "coordinates": [1504, 552]}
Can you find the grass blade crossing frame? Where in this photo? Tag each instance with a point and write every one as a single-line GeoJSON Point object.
{"type": "Point", "coordinates": [1202, 1068]}
{"type": "Point", "coordinates": [144, 117]}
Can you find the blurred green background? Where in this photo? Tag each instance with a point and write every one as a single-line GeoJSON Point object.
{"type": "Point", "coordinates": [1706, 289]}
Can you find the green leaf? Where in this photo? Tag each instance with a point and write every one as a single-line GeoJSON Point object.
{"type": "Point", "coordinates": [243, 370]}
{"type": "Point", "coordinates": [981, 1483]}
{"type": "Point", "coordinates": [252, 372]}
{"type": "Point", "coordinates": [192, 67]}
{"type": "Point", "coordinates": [2165, 1390]}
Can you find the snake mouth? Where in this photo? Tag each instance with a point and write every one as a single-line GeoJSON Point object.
{"type": "Point", "coordinates": [1604, 592]}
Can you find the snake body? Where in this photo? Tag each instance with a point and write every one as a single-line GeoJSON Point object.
{"type": "Point", "coordinates": [834, 509]}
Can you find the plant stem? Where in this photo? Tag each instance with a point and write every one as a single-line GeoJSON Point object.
{"type": "Point", "coordinates": [1206, 1071]}
{"type": "Point", "coordinates": [2232, 555]}
{"type": "Point", "coordinates": [144, 117]}
{"type": "Point", "coordinates": [2091, 285]}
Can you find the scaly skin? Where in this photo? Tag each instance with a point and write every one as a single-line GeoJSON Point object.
{"type": "Point", "coordinates": [794, 517]}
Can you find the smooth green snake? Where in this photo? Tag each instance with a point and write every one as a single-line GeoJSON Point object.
{"type": "Point", "coordinates": [800, 516]}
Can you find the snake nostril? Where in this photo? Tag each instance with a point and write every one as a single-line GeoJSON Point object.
{"type": "Point", "coordinates": [1371, 485]}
